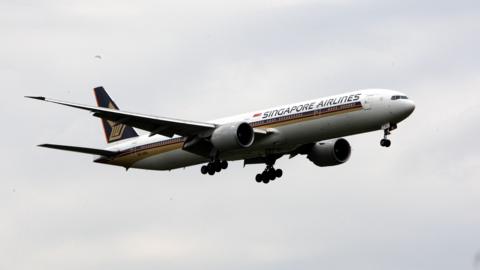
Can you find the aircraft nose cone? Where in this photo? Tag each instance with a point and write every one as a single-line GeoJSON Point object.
{"type": "Point", "coordinates": [408, 107]}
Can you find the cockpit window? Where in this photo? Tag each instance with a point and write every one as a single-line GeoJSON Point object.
{"type": "Point", "coordinates": [399, 97]}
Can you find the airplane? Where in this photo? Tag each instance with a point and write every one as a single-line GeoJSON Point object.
{"type": "Point", "coordinates": [312, 128]}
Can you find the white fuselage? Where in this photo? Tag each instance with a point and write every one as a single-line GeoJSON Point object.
{"type": "Point", "coordinates": [288, 127]}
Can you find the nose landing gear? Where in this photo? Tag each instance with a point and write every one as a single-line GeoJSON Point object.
{"type": "Point", "coordinates": [387, 130]}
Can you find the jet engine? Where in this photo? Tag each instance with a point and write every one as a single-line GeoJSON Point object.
{"type": "Point", "coordinates": [232, 136]}
{"type": "Point", "coordinates": [330, 153]}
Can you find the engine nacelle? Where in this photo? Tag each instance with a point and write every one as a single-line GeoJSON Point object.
{"type": "Point", "coordinates": [330, 153]}
{"type": "Point", "coordinates": [232, 136]}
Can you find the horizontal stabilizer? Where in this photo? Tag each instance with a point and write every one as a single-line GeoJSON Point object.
{"type": "Point", "coordinates": [35, 97]}
{"type": "Point", "coordinates": [84, 150]}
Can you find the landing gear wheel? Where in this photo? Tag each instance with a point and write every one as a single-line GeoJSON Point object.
{"type": "Point", "coordinates": [388, 143]}
{"type": "Point", "coordinates": [264, 176]}
{"type": "Point", "coordinates": [265, 180]}
{"type": "Point", "coordinates": [278, 173]}
{"type": "Point", "coordinates": [204, 169]}
{"type": "Point", "coordinates": [385, 143]}
{"type": "Point", "coordinates": [217, 166]}
{"type": "Point", "coordinates": [258, 178]}
{"type": "Point", "coordinates": [211, 169]}
{"type": "Point", "coordinates": [224, 164]}
{"type": "Point", "coordinates": [271, 174]}
{"type": "Point", "coordinates": [214, 167]}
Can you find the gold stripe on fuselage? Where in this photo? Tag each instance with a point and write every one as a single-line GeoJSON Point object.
{"type": "Point", "coordinates": [129, 159]}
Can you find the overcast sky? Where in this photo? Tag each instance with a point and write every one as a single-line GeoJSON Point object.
{"type": "Point", "coordinates": [413, 206]}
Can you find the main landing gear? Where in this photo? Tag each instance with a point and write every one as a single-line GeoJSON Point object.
{"type": "Point", "coordinates": [269, 174]}
{"type": "Point", "coordinates": [214, 167]}
{"type": "Point", "coordinates": [387, 130]}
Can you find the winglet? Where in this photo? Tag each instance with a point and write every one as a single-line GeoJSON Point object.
{"type": "Point", "coordinates": [36, 97]}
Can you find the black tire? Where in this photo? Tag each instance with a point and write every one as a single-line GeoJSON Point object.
{"type": "Point", "coordinates": [204, 169]}
{"type": "Point", "coordinates": [265, 180]}
{"type": "Point", "coordinates": [388, 143]}
{"type": "Point", "coordinates": [258, 178]}
{"type": "Point", "coordinates": [271, 175]}
{"type": "Point", "coordinates": [211, 169]}
{"type": "Point", "coordinates": [382, 142]}
{"type": "Point", "coordinates": [264, 176]}
{"type": "Point", "coordinates": [217, 166]}
{"type": "Point", "coordinates": [224, 165]}
{"type": "Point", "coordinates": [278, 173]}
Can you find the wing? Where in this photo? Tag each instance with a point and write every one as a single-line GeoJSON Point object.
{"type": "Point", "coordinates": [155, 125]}
{"type": "Point", "coordinates": [77, 149]}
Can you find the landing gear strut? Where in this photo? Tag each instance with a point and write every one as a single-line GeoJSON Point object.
{"type": "Point", "coordinates": [214, 167]}
{"type": "Point", "coordinates": [387, 130]}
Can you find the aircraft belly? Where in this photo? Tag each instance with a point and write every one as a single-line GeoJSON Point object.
{"type": "Point", "coordinates": [170, 160]}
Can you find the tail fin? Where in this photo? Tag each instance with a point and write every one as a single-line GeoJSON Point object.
{"type": "Point", "coordinates": [113, 131]}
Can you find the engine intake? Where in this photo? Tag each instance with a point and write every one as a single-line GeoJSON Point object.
{"type": "Point", "coordinates": [232, 136]}
{"type": "Point", "coordinates": [330, 153]}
